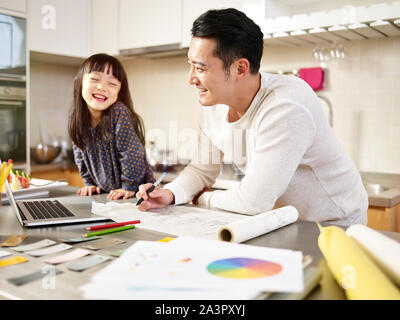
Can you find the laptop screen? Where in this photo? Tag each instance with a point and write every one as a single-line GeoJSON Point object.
{"type": "Point", "coordinates": [11, 199]}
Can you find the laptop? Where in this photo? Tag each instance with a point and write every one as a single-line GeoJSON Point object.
{"type": "Point", "coordinates": [32, 213]}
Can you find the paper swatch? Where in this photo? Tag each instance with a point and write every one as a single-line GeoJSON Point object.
{"type": "Point", "coordinates": [19, 281]}
{"type": "Point", "coordinates": [35, 245]}
{"type": "Point", "coordinates": [353, 270]}
{"type": "Point", "coordinates": [385, 252]}
{"type": "Point", "coordinates": [75, 254]}
{"type": "Point", "coordinates": [11, 261]}
{"type": "Point", "coordinates": [4, 253]}
{"type": "Point", "coordinates": [88, 262]}
{"type": "Point", "coordinates": [249, 228]}
{"type": "Point", "coordinates": [104, 244]}
{"type": "Point", "coordinates": [13, 240]}
{"type": "Point", "coordinates": [78, 240]}
{"type": "Point", "coordinates": [49, 250]}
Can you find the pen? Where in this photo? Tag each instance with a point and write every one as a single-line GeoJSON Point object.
{"type": "Point", "coordinates": [112, 225]}
{"type": "Point", "coordinates": [152, 187]}
{"type": "Point", "coordinates": [91, 234]}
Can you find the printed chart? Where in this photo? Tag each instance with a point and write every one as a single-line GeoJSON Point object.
{"type": "Point", "coordinates": [243, 268]}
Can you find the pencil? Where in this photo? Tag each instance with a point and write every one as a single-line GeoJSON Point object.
{"type": "Point", "coordinates": [5, 175]}
{"type": "Point", "coordinates": [161, 178]}
{"type": "Point", "coordinates": [112, 225]}
{"type": "Point", "coordinates": [97, 233]}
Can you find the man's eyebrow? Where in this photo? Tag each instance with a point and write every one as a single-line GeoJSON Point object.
{"type": "Point", "coordinates": [198, 63]}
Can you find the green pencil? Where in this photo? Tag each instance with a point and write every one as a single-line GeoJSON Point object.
{"type": "Point", "coordinates": [97, 233]}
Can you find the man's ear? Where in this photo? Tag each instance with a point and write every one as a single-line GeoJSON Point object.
{"type": "Point", "coordinates": [242, 67]}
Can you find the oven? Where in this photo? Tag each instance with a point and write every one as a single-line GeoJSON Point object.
{"type": "Point", "coordinates": [12, 88]}
{"type": "Point", "coordinates": [12, 121]}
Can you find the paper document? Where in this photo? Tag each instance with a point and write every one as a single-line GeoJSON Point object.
{"type": "Point", "coordinates": [194, 268]}
{"type": "Point", "coordinates": [176, 220]}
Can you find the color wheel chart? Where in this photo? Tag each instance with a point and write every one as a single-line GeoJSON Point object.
{"type": "Point", "coordinates": [243, 268]}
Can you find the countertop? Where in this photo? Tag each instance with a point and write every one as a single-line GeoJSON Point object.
{"type": "Point", "coordinates": [301, 235]}
{"type": "Point", "coordinates": [229, 178]}
{"type": "Point", "coordinates": [60, 165]}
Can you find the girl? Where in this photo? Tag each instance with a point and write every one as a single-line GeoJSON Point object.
{"type": "Point", "coordinates": [107, 134]}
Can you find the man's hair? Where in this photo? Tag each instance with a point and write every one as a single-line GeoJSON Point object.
{"type": "Point", "coordinates": [236, 36]}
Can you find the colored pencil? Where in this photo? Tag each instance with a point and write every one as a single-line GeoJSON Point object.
{"type": "Point", "coordinates": [97, 233]}
{"type": "Point", "coordinates": [112, 225]}
{"type": "Point", "coordinates": [5, 175]}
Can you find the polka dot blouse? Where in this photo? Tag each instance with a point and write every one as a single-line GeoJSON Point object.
{"type": "Point", "coordinates": [120, 163]}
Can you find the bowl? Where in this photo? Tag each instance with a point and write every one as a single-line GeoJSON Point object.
{"type": "Point", "coordinates": [45, 153]}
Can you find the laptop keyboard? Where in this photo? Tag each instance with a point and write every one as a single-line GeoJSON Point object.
{"type": "Point", "coordinates": [47, 209]}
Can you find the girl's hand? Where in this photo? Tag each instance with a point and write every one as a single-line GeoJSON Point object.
{"type": "Point", "coordinates": [88, 190]}
{"type": "Point", "coordinates": [120, 193]}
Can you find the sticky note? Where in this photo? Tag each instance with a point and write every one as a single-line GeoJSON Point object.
{"type": "Point", "coordinates": [11, 261]}
{"type": "Point", "coordinates": [166, 239]}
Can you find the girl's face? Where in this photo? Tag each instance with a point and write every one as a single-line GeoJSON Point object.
{"type": "Point", "coordinates": [100, 90]}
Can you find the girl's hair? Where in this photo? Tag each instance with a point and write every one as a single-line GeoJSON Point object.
{"type": "Point", "coordinates": [79, 127]}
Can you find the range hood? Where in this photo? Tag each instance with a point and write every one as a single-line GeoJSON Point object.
{"type": "Point", "coordinates": [167, 50]}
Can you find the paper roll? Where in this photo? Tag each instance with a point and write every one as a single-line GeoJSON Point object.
{"type": "Point", "coordinates": [354, 271]}
{"type": "Point", "coordinates": [255, 226]}
{"type": "Point", "coordinates": [385, 252]}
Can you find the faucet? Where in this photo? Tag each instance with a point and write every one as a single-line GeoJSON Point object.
{"type": "Point", "coordinates": [330, 118]}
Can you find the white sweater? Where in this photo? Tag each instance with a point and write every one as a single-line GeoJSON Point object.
{"type": "Point", "coordinates": [288, 152]}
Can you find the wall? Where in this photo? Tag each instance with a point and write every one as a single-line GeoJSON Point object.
{"type": "Point", "coordinates": [50, 99]}
{"type": "Point", "coordinates": [363, 89]}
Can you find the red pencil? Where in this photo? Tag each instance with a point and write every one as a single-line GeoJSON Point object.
{"type": "Point", "coordinates": [112, 225]}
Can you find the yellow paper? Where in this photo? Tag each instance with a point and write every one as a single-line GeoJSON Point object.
{"type": "Point", "coordinates": [11, 261]}
{"type": "Point", "coordinates": [355, 272]}
{"type": "Point", "coordinates": [13, 240]}
{"type": "Point", "coordinates": [166, 239]}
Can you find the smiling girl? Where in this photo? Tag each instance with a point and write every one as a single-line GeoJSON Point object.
{"type": "Point", "coordinates": [107, 134]}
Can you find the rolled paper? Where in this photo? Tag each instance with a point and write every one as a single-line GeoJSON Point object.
{"type": "Point", "coordinates": [384, 251]}
{"type": "Point", "coordinates": [249, 228]}
{"type": "Point", "coordinates": [354, 271]}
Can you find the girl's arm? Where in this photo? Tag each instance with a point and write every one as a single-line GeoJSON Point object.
{"type": "Point", "coordinates": [134, 167]}
{"type": "Point", "coordinates": [83, 170]}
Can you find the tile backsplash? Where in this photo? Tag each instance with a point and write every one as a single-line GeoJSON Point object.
{"type": "Point", "coordinates": [51, 90]}
{"type": "Point", "coordinates": [363, 89]}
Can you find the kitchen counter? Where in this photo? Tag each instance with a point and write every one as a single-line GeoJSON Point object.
{"type": "Point", "coordinates": [61, 165]}
{"type": "Point", "coordinates": [301, 235]}
{"type": "Point", "coordinates": [387, 198]}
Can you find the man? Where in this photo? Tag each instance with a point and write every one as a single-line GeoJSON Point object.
{"type": "Point", "coordinates": [271, 126]}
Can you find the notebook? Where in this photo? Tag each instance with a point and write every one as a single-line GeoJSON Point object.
{"type": "Point", "coordinates": [31, 213]}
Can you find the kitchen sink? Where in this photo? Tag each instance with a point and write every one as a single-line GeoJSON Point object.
{"type": "Point", "coordinates": [375, 188]}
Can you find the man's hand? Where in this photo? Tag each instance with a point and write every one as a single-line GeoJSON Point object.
{"type": "Point", "coordinates": [120, 193]}
{"type": "Point", "coordinates": [158, 198]}
{"type": "Point", "coordinates": [88, 190]}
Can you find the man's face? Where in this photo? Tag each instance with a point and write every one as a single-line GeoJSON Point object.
{"type": "Point", "coordinates": [207, 73]}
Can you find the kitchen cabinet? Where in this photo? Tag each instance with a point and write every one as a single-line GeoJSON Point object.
{"type": "Point", "coordinates": [150, 23]}
{"type": "Point", "coordinates": [71, 175]}
{"type": "Point", "coordinates": [59, 27]}
{"type": "Point", "coordinates": [312, 22]}
{"type": "Point", "coordinates": [386, 219]}
{"type": "Point", "coordinates": [13, 7]}
{"type": "Point", "coordinates": [104, 29]}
